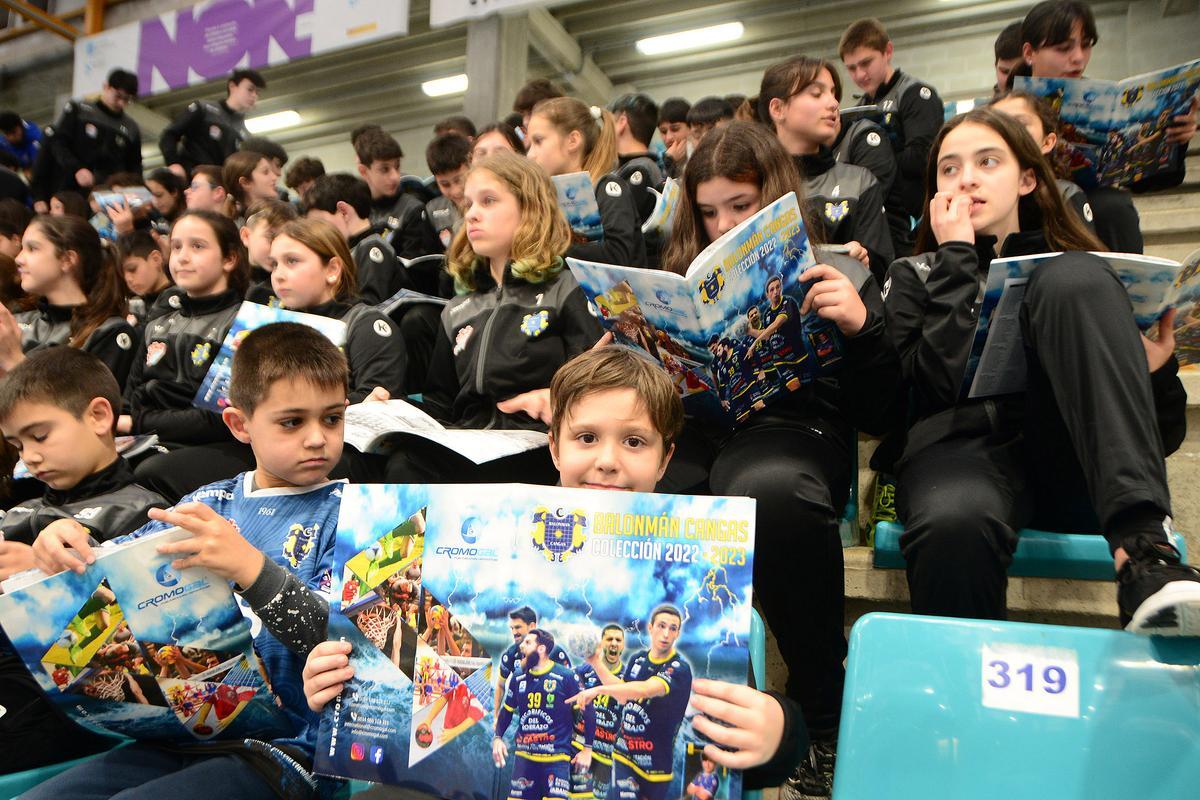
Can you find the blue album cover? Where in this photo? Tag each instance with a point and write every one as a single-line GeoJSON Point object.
{"type": "Point", "coordinates": [213, 394]}
{"type": "Point", "coordinates": [729, 332]}
{"type": "Point", "coordinates": [427, 582]}
{"type": "Point", "coordinates": [135, 647]}
{"type": "Point", "coordinates": [1114, 133]}
{"type": "Point", "coordinates": [577, 199]}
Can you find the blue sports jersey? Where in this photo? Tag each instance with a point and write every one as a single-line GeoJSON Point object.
{"type": "Point", "coordinates": [545, 720]}
{"type": "Point", "coordinates": [608, 723]}
{"type": "Point", "coordinates": [708, 781]}
{"type": "Point", "coordinates": [646, 743]}
{"type": "Point", "coordinates": [295, 529]}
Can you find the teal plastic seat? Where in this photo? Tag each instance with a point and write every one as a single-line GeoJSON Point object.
{"type": "Point", "coordinates": [1040, 554]}
{"type": "Point", "coordinates": [16, 783]}
{"type": "Point", "coordinates": [915, 725]}
{"type": "Point", "coordinates": [758, 666]}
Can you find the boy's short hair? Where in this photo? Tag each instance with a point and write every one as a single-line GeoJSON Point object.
{"type": "Point", "coordinates": [239, 75]}
{"type": "Point", "coordinates": [303, 170]}
{"type": "Point", "coordinates": [276, 213]}
{"type": "Point", "coordinates": [264, 146]}
{"type": "Point", "coordinates": [9, 121]}
{"type": "Point", "coordinates": [15, 217]}
{"type": "Point", "coordinates": [616, 367]}
{"type": "Point", "coordinates": [709, 111]}
{"type": "Point", "coordinates": [1008, 43]}
{"type": "Point", "coordinates": [123, 81]}
{"type": "Point", "coordinates": [458, 123]}
{"type": "Point", "coordinates": [534, 92]}
{"type": "Point", "coordinates": [868, 33]}
{"type": "Point", "coordinates": [136, 244]}
{"type": "Point", "coordinates": [213, 173]}
{"type": "Point", "coordinates": [674, 109]}
{"type": "Point", "coordinates": [376, 144]}
{"type": "Point", "coordinates": [328, 190]}
{"type": "Point", "coordinates": [640, 112]}
{"type": "Point", "coordinates": [666, 608]}
{"type": "Point", "coordinates": [447, 153]}
{"type": "Point", "coordinates": [65, 377]}
{"type": "Point", "coordinates": [283, 350]}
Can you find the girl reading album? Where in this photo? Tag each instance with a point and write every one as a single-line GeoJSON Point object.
{"type": "Point", "coordinates": [1082, 448]}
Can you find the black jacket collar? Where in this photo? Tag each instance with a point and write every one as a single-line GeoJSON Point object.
{"type": "Point", "coordinates": [815, 164]}
{"type": "Point", "coordinates": [199, 306]}
{"type": "Point", "coordinates": [115, 476]}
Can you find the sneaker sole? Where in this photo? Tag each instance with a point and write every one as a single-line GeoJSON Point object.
{"type": "Point", "coordinates": [1174, 610]}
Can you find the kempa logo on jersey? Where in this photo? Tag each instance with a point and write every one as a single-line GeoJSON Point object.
{"type": "Point", "coordinates": [174, 594]}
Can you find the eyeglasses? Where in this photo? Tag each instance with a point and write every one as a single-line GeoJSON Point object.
{"type": "Point", "coordinates": [195, 187]}
{"type": "Point", "coordinates": [125, 97]}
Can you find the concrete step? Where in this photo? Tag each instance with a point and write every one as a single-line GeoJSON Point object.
{"type": "Point", "coordinates": [1185, 202]}
{"type": "Point", "coordinates": [1163, 247]}
{"type": "Point", "coordinates": [1169, 219]}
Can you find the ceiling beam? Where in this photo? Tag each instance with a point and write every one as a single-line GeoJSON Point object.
{"type": "Point", "coordinates": [41, 19]}
{"type": "Point", "coordinates": [552, 42]}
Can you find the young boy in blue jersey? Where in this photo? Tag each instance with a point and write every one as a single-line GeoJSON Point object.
{"type": "Point", "coordinates": [270, 532]}
{"type": "Point", "coordinates": [615, 419]}
{"type": "Point", "coordinates": [538, 697]}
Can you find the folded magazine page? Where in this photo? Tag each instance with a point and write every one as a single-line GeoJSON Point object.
{"type": "Point", "coordinates": [662, 218]}
{"type": "Point", "coordinates": [1114, 133]}
{"type": "Point", "coordinates": [380, 427]}
{"type": "Point", "coordinates": [435, 587]}
{"type": "Point", "coordinates": [729, 332]}
{"type": "Point", "coordinates": [135, 647]}
{"type": "Point", "coordinates": [214, 389]}
{"type": "Point", "coordinates": [997, 361]}
{"type": "Point", "coordinates": [577, 199]}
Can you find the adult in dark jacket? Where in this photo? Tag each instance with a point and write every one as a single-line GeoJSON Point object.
{"type": "Point", "coordinates": [94, 139]}
{"type": "Point", "coordinates": [208, 132]}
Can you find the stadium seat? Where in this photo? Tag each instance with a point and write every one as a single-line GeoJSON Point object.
{"type": "Point", "coordinates": [16, 783]}
{"type": "Point", "coordinates": [1040, 554]}
{"type": "Point", "coordinates": [1081, 714]}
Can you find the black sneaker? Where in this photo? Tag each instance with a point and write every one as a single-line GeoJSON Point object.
{"type": "Point", "coordinates": [1157, 594]}
{"type": "Point", "coordinates": [813, 778]}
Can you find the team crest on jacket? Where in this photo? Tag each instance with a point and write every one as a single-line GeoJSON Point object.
{"type": "Point", "coordinates": [558, 534]}
{"type": "Point", "coordinates": [200, 353]}
{"type": "Point", "coordinates": [711, 286]}
{"type": "Point", "coordinates": [299, 542]}
{"type": "Point", "coordinates": [155, 352]}
{"type": "Point", "coordinates": [460, 338]}
{"type": "Point", "coordinates": [535, 323]}
{"type": "Point", "coordinates": [836, 211]}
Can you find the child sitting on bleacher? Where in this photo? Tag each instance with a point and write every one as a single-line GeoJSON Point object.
{"type": "Point", "coordinates": [256, 530]}
{"type": "Point", "coordinates": [565, 135]}
{"type": "Point", "coordinates": [263, 221]}
{"type": "Point", "coordinates": [209, 264]}
{"type": "Point", "coordinates": [616, 417]}
{"type": "Point", "coordinates": [1082, 449]}
{"type": "Point", "coordinates": [80, 299]}
{"type": "Point", "coordinates": [520, 316]}
{"type": "Point", "coordinates": [206, 191]}
{"type": "Point", "coordinates": [403, 215]}
{"type": "Point", "coordinates": [57, 408]}
{"type": "Point", "coordinates": [145, 273]}
{"type": "Point", "coordinates": [449, 158]}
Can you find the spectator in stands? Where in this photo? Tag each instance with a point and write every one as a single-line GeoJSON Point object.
{"type": "Point", "coordinates": [734, 173]}
{"type": "Point", "coordinates": [206, 191]}
{"type": "Point", "coordinates": [799, 96]}
{"type": "Point", "coordinates": [144, 271]}
{"type": "Point", "coordinates": [12, 185]}
{"type": "Point", "coordinates": [81, 300]}
{"type": "Point", "coordinates": [566, 135]}
{"type": "Point", "coordinates": [496, 137]}
{"type": "Point", "coordinates": [167, 189]}
{"type": "Point", "coordinates": [449, 158]}
{"type": "Point", "coordinates": [14, 218]}
{"type": "Point", "coordinates": [249, 177]}
{"type": "Point", "coordinates": [69, 203]}
{"type": "Point", "coordinates": [912, 111]}
{"type": "Point", "coordinates": [1008, 54]}
{"type": "Point", "coordinates": [21, 138]}
{"type": "Point", "coordinates": [675, 133]}
{"type": "Point", "coordinates": [532, 93]}
{"type": "Point", "coordinates": [520, 317]}
{"type": "Point", "coordinates": [269, 148]}
{"type": "Point", "coordinates": [301, 175]}
{"type": "Point", "coordinates": [636, 116]}
{"type": "Point", "coordinates": [264, 219]}
{"type": "Point", "coordinates": [459, 124]}
{"type": "Point", "coordinates": [210, 132]}
{"type": "Point", "coordinates": [1082, 448]}
{"type": "Point", "coordinates": [92, 140]}
{"type": "Point", "coordinates": [344, 201]}
{"type": "Point", "coordinates": [706, 114]}
{"type": "Point", "coordinates": [379, 157]}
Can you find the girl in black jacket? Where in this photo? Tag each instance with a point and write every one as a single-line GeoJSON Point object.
{"type": "Point", "coordinates": [80, 296]}
{"type": "Point", "coordinates": [566, 135]}
{"type": "Point", "coordinates": [795, 456]}
{"type": "Point", "coordinates": [1080, 449]}
{"type": "Point", "coordinates": [519, 316]}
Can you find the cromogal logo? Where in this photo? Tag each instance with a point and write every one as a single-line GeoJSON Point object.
{"type": "Point", "coordinates": [166, 576]}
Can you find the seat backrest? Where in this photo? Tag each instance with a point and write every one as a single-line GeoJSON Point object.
{"type": "Point", "coordinates": [948, 708]}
